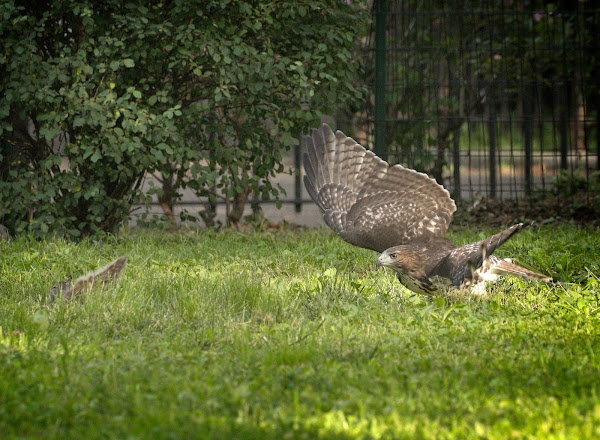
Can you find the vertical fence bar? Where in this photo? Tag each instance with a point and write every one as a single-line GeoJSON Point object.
{"type": "Point", "coordinates": [297, 176]}
{"type": "Point", "coordinates": [598, 136]}
{"type": "Point", "coordinates": [380, 77]}
{"type": "Point", "coordinates": [212, 201]}
{"type": "Point", "coordinates": [492, 140]}
{"type": "Point", "coordinates": [456, 193]}
{"type": "Point", "coordinates": [564, 96]}
{"type": "Point", "coordinates": [563, 125]}
{"type": "Point", "coordinates": [528, 135]}
{"type": "Point", "coordinates": [455, 88]}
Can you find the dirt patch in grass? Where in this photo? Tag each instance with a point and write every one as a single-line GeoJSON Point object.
{"type": "Point", "coordinates": [581, 209]}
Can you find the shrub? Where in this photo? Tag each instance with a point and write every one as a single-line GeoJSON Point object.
{"type": "Point", "coordinates": [206, 94]}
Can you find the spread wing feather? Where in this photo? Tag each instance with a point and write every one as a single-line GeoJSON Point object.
{"type": "Point", "coordinates": [365, 201]}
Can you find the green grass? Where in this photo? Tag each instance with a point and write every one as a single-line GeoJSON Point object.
{"type": "Point", "coordinates": [294, 335]}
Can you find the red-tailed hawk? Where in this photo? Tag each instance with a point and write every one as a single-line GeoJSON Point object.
{"type": "Point", "coordinates": [401, 213]}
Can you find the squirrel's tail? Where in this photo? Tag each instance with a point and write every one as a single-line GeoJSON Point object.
{"type": "Point", "coordinates": [69, 289]}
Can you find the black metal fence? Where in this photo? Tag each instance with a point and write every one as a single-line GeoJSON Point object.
{"type": "Point", "coordinates": [493, 98]}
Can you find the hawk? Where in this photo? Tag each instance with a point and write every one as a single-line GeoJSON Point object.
{"type": "Point", "coordinates": [400, 213]}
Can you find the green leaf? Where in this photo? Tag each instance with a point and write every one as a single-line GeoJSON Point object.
{"type": "Point", "coordinates": [128, 62]}
{"type": "Point", "coordinates": [96, 156]}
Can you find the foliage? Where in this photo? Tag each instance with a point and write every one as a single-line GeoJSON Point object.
{"type": "Point", "coordinates": [583, 190]}
{"type": "Point", "coordinates": [206, 94]}
{"type": "Point", "coordinates": [569, 183]}
{"type": "Point", "coordinates": [295, 335]}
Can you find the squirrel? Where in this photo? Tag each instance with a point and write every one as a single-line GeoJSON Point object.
{"type": "Point", "coordinates": [69, 289]}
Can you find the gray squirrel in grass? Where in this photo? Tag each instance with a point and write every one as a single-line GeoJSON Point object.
{"type": "Point", "coordinates": [69, 289]}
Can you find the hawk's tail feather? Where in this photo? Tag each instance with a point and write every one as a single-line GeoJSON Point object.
{"type": "Point", "coordinates": [506, 267]}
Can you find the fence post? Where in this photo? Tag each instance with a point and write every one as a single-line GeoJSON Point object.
{"type": "Point", "coordinates": [380, 77]}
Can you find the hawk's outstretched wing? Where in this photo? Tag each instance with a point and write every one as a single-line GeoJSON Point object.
{"type": "Point", "coordinates": [368, 203]}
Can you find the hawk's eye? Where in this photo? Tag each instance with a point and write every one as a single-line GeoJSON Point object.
{"type": "Point", "coordinates": [393, 255]}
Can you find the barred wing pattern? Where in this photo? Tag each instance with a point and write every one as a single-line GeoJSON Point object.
{"type": "Point", "coordinates": [368, 203]}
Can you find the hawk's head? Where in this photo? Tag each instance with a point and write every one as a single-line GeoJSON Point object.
{"type": "Point", "coordinates": [404, 259]}
{"type": "Point", "coordinates": [409, 264]}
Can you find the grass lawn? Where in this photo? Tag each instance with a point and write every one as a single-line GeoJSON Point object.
{"type": "Point", "coordinates": [295, 334]}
